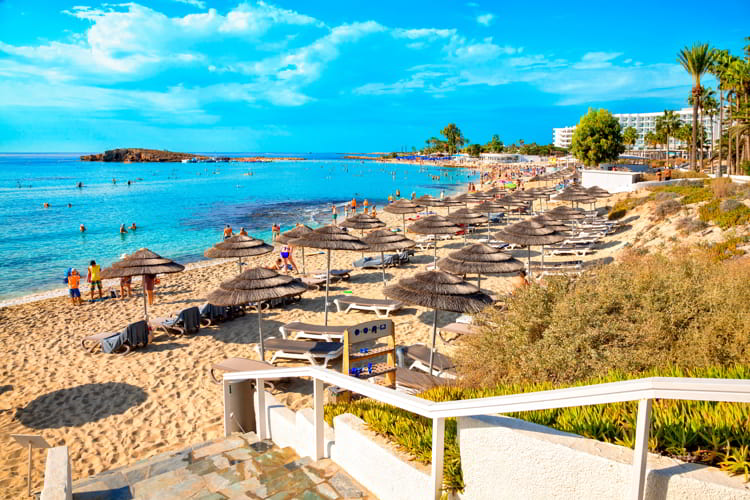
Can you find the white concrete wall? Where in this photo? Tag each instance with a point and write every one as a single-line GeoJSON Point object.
{"type": "Point", "coordinates": [58, 476]}
{"type": "Point", "coordinates": [375, 465]}
{"type": "Point", "coordinates": [614, 182]}
{"type": "Point", "coordinates": [509, 458]}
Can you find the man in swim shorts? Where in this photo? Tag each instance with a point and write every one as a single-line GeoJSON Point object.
{"type": "Point", "coordinates": [94, 278]}
{"type": "Point", "coordinates": [227, 231]}
{"type": "Point", "coordinates": [334, 212]}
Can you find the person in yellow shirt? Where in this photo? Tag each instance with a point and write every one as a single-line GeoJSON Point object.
{"type": "Point", "coordinates": [94, 277]}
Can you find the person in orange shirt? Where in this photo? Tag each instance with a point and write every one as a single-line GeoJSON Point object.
{"type": "Point", "coordinates": [354, 206]}
{"type": "Point", "coordinates": [74, 280]}
{"type": "Point", "coordinates": [227, 231]}
{"type": "Point", "coordinates": [366, 204]}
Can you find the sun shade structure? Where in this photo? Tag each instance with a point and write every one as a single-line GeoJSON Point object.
{"type": "Point", "coordinates": [362, 222]}
{"type": "Point", "coordinates": [386, 241]}
{"type": "Point", "coordinates": [489, 207]}
{"type": "Point", "coordinates": [428, 200]}
{"type": "Point", "coordinates": [598, 192]}
{"type": "Point", "coordinates": [530, 233]}
{"type": "Point", "coordinates": [575, 195]}
{"type": "Point", "coordinates": [480, 259]}
{"type": "Point", "coordinates": [438, 290]}
{"type": "Point", "coordinates": [434, 225]}
{"type": "Point", "coordinates": [141, 263]}
{"type": "Point", "coordinates": [403, 207]}
{"type": "Point", "coordinates": [330, 238]}
{"type": "Point", "coordinates": [564, 212]}
{"type": "Point", "coordinates": [256, 285]}
{"type": "Point", "coordinates": [467, 216]}
{"type": "Point", "coordinates": [449, 202]}
{"type": "Point", "coordinates": [287, 236]}
{"type": "Point", "coordinates": [238, 246]}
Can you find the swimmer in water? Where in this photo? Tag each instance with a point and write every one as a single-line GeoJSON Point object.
{"type": "Point", "coordinates": [82, 228]}
{"type": "Point", "coordinates": [133, 227]}
{"type": "Point", "coordinates": [122, 229]}
{"type": "Point", "coordinates": [45, 204]}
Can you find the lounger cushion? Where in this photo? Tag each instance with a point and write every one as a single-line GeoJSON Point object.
{"type": "Point", "coordinates": [297, 326]}
{"type": "Point", "coordinates": [370, 302]}
{"type": "Point", "coordinates": [418, 380]}
{"type": "Point", "coordinates": [422, 353]}
{"type": "Point", "coordinates": [243, 365]}
{"type": "Point", "coordinates": [302, 346]}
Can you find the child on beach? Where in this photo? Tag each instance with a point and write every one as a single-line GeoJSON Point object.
{"type": "Point", "coordinates": [74, 279]}
{"type": "Point", "coordinates": [374, 212]}
{"type": "Point", "coordinates": [94, 278]}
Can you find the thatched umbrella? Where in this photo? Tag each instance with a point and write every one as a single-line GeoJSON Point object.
{"type": "Point", "coordinates": [256, 285]}
{"type": "Point", "coordinates": [575, 195]}
{"type": "Point", "coordinates": [363, 222]}
{"type": "Point", "coordinates": [403, 207]}
{"type": "Point", "coordinates": [329, 238]}
{"type": "Point", "coordinates": [480, 259]}
{"type": "Point", "coordinates": [598, 192]}
{"type": "Point", "coordinates": [438, 291]}
{"type": "Point", "coordinates": [434, 225]}
{"type": "Point", "coordinates": [386, 241]}
{"type": "Point", "coordinates": [530, 233]}
{"type": "Point", "coordinates": [449, 202]}
{"type": "Point", "coordinates": [430, 201]}
{"type": "Point", "coordinates": [141, 263]}
{"type": "Point", "coordinates": [238, 246]}
{"type": "Point", "coordinates": [467, 216]}
{"type": "Point", "coordinates": [564, 212]}
{"type": "Point", "coordinates": [287, 236]}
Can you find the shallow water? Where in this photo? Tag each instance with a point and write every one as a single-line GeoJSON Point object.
{"type": "Point", "coordinates": [180, 209]}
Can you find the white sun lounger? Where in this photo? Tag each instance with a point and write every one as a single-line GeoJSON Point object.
{"type": "Point", "coordinates": [569, 250]}
{"type": "Point", "coordinates": [313, 332]}
{"type": "Point", "coordinates": [314, 352]}
{"type": "Point", "coordinates": [379, 306]}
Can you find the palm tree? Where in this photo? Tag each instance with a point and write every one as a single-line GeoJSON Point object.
{"type": "Point", "coordinates": [705, 98]}
{"type": "Point", "coordinates": [696, 60]}
{"type": "Point", "coordinates": [667, 126]}
{"type": "Point", "coordinates": [630, 136]}
{"type": "Point", "coordinates": [720, 68]}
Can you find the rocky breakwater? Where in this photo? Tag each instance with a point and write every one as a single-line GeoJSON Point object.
{"type": "Point", "coordinates": [127, 155]}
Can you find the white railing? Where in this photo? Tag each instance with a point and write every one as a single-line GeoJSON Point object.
{"type": "Point", "coordinates": [643, 390]}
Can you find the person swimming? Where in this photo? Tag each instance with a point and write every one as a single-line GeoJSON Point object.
{"type": "Point", "coordinates": [82, 228]}
{"type": "Point", "coordinates": [133, 227]}
{"type": "Point", "coordinates": [122, 229]}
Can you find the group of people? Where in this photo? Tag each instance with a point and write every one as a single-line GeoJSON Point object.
{"type": "Point", "coordinates": [94, 279]}
{"type": "Point", "coordinates": [228, 233]}
{"type": "Point", "coordinates": [123, 229]}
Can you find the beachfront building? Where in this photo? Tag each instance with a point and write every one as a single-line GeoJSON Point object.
{"type": "Point", "coordinates": [645, 123]}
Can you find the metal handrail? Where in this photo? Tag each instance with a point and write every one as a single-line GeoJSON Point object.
{"type": "Point", "coordinates": [643, 390]}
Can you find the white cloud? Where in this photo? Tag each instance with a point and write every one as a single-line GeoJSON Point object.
{"type": "Point", "coordinates": [195, 3]}
{"type": "Point", "coordinates": [485, 19]}
{"type": "Point", "coordinates": [423, 33]}
{"type": "Point", "coordinates": [596, 60]}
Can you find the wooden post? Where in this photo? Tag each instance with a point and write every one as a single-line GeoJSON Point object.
{"type": "Point", "coordinates": [227, 392]}
{"type": "Point", "coordinates": [319, 422]}
{"type": "Point", "coordinates": [436, 473]}
{"type": "Point", "coordinates": [262, 428]}
{"type": "Point", "coordinates": [29, 478]}
{"type": "Point", "coordinates": [640, 454]}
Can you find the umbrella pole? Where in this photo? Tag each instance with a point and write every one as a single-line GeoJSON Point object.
{"type": "Point", "coordinates": [542, 257]}
{"type": "Point", "coordinates": [303, 260]}
{"type": "Point", "coordinates": [489, 224]}
{"type": "Point", "coordinates": [529, 258]}
{"type": "Point", "coordinates": [434, 334]}
{"type": "Point", "coordinates": [145, 304]}
{"type": "Point", "coordinates": [403, 222]}
{"type": "Point", "coordinates": [435, 253]}
{"type": "Point", "coordinates": [382, 264]}
{"type": "Point", "coordinates": [328, 282]}
{"type": "Point", "coordinates": [479, 281]}
{"type": "Point", "coordinates": [260, 332]}
{"type": "Point", "coordinates": [239, 263]}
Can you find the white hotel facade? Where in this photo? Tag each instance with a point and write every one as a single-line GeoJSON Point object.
{"type": "Point", "coordinates": [644, 123]}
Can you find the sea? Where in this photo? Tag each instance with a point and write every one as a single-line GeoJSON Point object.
{"type": "Point", "coordinates": [180, 209]}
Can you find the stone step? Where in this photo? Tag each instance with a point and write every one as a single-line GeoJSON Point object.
{"type": "Point", "coordinates": [240, 466]}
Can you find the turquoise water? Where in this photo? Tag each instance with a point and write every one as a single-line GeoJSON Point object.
{"type": "Point", "coordinates": [180, 209]}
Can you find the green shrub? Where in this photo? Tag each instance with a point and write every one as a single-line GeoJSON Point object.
{"type": "Point", "coordinates": [724, 218]}
{"type": "Point", "coordinates": [745, 167]}
{"type": "Point", "coordinates": [667, 208]}
{"type": "Point", "coordinates": [688, 174]}
{"type": "Point", "coordinates": [727, 249]}
{"type": "Point", "coordinates": [622, 207]}
{"type": "Point", "coordinates": [636, 314]}
{"type": "Point", "coordinates": [690, 225]}
{"type": "Point", "coordinates": [712, 433]}
{"type": "Point", "coordinates": [689, 191]}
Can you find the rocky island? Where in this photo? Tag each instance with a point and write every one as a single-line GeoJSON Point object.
{"type": "Point", "coordinates": [140, 155]}
{"type": "Point", "coordinates": [128, 155]}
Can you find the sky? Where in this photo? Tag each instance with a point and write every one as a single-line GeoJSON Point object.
{"type": "Point", "coordinates": [335, 76]}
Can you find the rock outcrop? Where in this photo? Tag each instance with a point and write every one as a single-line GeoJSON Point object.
{"type": "Point", "coordinates": [128, 155]}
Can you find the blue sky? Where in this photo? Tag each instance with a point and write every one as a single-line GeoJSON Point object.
{"type": "Point", "coordinates": [206, 75]}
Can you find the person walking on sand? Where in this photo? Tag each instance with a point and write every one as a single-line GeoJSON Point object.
{"type": "Point", "coordinates": [148, 286]}
{"type": "Point", "coordinates": [94, 278]}
{"type": "Point", "coordinates": [227, 231]}
{"type": "Point", "coordinates": [74, 280]}
{"type": "Point", "coordinates": [334, 212]}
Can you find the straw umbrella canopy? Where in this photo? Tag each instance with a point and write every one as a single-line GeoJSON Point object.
{"type": "Point", "coordinates": [386, 241]}
{"type": "Point", "coordinates": [256, 285]}
{"type": "Point", "coordinates": [438, 290]}
{"type": "Point", "coordinates": [141, 263]}
{"type": "Point", "coordinates": [430, 201]}
{"type": "Point", "coordinates": [363, 222]}
{"type": "Point", "coordinates": [403, 207]}
{"type": "Point", "coordinates": [287, 237]}
{"type": "Point", "coordinates": [598, 192]}
{"type": "Point", "coordinates": [564, 212]}
{"type": "Point", "coordinates": [330, 238]}
{"type": "Point", "coordinates": [434, 225]}
{"type": "Point", "coordinates": [530, 233]}
{"type": "Point", "coordinates": [449, 202]}
{"type": "Point", "coordinates": [467, 216]}
{"type": "Point", "coordinates": [238, 246]}
{"type": "Point", "coordinates": [575, 195]}
{"type": "Point", "coordinates": [480, 259]}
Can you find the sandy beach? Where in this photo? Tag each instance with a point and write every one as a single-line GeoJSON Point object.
{"type": "Point", "coordinates": [112, 410]}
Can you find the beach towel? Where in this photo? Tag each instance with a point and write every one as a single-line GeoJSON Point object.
{"type": "Point", "coordinates": [214, 313]}
{"type": "Point", "coordinates": [191, 319]}
{"type": "Point", "coordinates": [113, 343]}
{"type": "Point", "coordinates": [137, 333]}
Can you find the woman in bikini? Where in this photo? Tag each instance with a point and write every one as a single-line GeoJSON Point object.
{"type": "Point", "coordinates": [286, 255]}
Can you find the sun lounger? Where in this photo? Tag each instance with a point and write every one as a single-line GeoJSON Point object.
{"type": "Point", "coordinates": [419, 358]}
{"type": "Point", "coordinates": [412, 382]}
{"type": "Point", "coordinates": [215, 314]}
{"type": "Point", "coordinates": [426, 245]}
{"type": "Point", "coordinates": [304, 349]}
{"type": "Point", "coordinates": [381, 307]}
{"type": "Point", "coordinates": [313, 332]}
{"type": "Point", "coordinates": [458, 329]}
{"type": "Point", "coordinates": [341, 274]}
{"type": "Point", "coordinates": [569, 250]}
{"type": "Point", "coordinates": [375, 262]}
{"type": "Point", "coordinates": [314, 283]}
{"type": "Point", "coordinates": [132, 336]}
{"type": "Point", "coordinates": [187, 321]}
{"type": "Point", "coordinates": [241, 365]}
